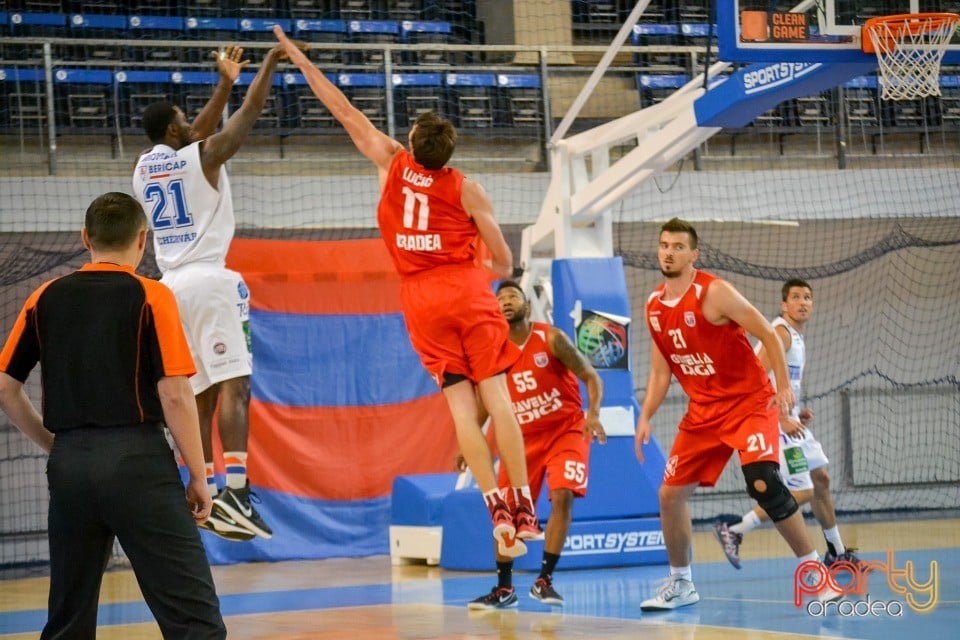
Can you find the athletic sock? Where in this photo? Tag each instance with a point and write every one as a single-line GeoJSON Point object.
{"type": "Point", "coordinates": [523, 497]}
{"type": "Point", "coordinates": [236, 463]}
{"type": "Point", "coordinates": [813, 556]}
{"type": "Point", "coordinates": [684, 572]}
{"type": "Point", "coordinates": [211, 479]}
{"type": "Point", "coordinates": [548, 564]}
{"type": "Point", "coordinates": [834, 543]}
{"type": "Point", "coordinates": [505, 574]}
{"type": "Point", "coordinates": [493, 498]}
{"type": "Point", "coordinates": [748, 522]}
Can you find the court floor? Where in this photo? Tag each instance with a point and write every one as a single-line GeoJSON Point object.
{"type": "Point", "coordinates": [367, 598]}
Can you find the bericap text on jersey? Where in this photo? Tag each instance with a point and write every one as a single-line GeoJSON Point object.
{"type": "Point", "coordinates": [166, 167]}
{"type": "Point", "coordinates": [415, 178]}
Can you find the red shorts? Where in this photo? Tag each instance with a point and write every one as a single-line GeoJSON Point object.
{"type": "Point", "coordinates": [455, 324]}
{"type": "Point", "coordinates": [562, 456]}
{"type": "Point", "coordinates": [702, 448]}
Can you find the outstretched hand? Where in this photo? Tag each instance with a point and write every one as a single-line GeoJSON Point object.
{"type": "Point", "coordinates": [229, 63]}
{"type": "Point", "coordinates": [292, 48]}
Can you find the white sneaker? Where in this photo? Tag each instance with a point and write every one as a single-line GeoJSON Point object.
{"type": "Point", "coordinates": [826, 594]}
{"type": "Point", "coordinates": [675, 592]}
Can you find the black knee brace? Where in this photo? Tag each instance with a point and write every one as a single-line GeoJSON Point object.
{"type": "Point", "coordinates": [775, 499]}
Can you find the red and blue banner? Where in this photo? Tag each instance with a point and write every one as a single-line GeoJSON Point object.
{"type": "Point", "coordinates": [340, 404]}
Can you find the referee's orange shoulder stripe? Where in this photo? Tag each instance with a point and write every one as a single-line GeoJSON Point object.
{"type": "Point", "coordinates": [20, 325]}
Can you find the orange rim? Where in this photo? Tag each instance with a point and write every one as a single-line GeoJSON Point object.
{"type": "Point", "coordinates": [903, 24]}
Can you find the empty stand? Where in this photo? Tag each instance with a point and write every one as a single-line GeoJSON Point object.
{"type": "Point", "coordinates": [371, 32]}
{"type": "Point", "coordinates": [950, 100]}
{"type": "Point", "coordinates": [271, 116]}
{"type": "Point", "coordinates": [404, 9]}
{"type": "Point", "coordinates": [260, 30]}
{"type": "Point", "coordinates": [418, 32]}
{"type": "Point", "coordinates": [150, 27]}
{"type": "Point", "coordinates": [306, 112]}
{"type": "Point", "coordinates": [416, 93]}
{"type": "Point", "coordinates": [24, 98]}
{"type": "Point", "coordinates": [472, 96]}
{"type": "Point", "coordinates": [861, 102]}
{"type": "Point", "coordinates": [522, 96]}
{"type": "Point", "coordinates": [321, 32]}
{"type": "Point", "coordinates": [88, 96]}
{"type": "Point", "coordinates": [309, 9]}
{"type": "Point", "coordinates": [655, 88]}
{"type": "Point", "coordinates": [662, 35]}
{"type": "Point", "coordinates": [107, 30]}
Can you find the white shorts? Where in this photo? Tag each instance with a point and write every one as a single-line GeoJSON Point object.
{"type": "Point", "coordinates": [798, 457]}
{"type": "Point", "coordinates": [214, 307]}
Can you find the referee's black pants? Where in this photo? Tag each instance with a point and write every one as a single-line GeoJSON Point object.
{"type": "Point", "coordinates": [123, 482]}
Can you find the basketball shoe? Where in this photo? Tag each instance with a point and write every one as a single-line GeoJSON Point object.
{"type": "Point", "coordinates": [675, 592]}
{"type": "Point", "coordinates": [543, 591]}
{"type": "Point", "coordinates": [498, 598]}
{"type": "Point", "coordinates": [504, 530]}
{"type": "Point", "coordinates": [847, 556]}
{"type": "Point", "coordinates": [236, 503]}
{"type": "Point", "coordinates": [730, 542]}
{"type": "Point", "coordinates": [525, 521]}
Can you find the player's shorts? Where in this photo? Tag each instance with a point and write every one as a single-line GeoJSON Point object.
{"type": "Point", "coordinates": [455, 324]}
{"type": "Point", "coordinates": [563, 457]}
{"type": "Point", "coordinates": [214, 305]}
{"type": "Point", "coordinates": [702, 448]}
{"type": "Point", "coordinates": [798, 457]}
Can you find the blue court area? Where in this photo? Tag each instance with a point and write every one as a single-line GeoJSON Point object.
{"type": "Point", "coordinates": [759, 598]}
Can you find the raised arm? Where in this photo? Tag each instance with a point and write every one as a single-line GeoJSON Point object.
{"type": "Point", "coordinates": [221, 146]}
{"type": "Point", "coordinates": [229, 66]}
{"type": "Point", "coordinates": [563, 350]}
{"type": "Point", "coordinates": [375, 145]}
{"type": "Point", "coordinates": [475, 202]}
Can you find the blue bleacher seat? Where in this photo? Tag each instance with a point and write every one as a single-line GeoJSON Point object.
{"type": "Point", "coordinates": [438, 32]}
{"type": "Point", "coordinates": [88, 96]}
{"type": "Point", "coordinates": [38, 25]}
{"type": "Point", "coordinates": [305, 111]}
{"type": "Point", "coordinates": [193, 90]}
{"type": "Point", "coordinates": [416, 93]}
{"type": "Point", "coordinates": [522, 97]}
{"type": "Point", "coordinates": [260, 30]}
{"type": "Point", "coordinates": [472, 98]}
{"type": "Point", "coordinates": [24, 98]}
{"type": "Point", "coordinates": [107, 29]}
{"type": "Point", "coordinates": [371, 32]}
{"type": "Point", "coordinates": [209, 28]}
{"type": "Point", "coordinates": [271, 116]}
{"type": "Point", "coordinates": [138, 89]}
{"type": "Point", "coordinates": [697, 34]}
{"type": "Point", "coordinates": [365, 91]}
{"type": "Point", "coordinates": [861, 101]}
{"type": "Point", "coordinates": [645, 34]}
{"type": "Point", "coordinates": [950, 100]}
{"type": "Point", "coordinates": [321, 32]}
{"type": "Point", "coordinates": [149, 27]}
{"type": "Point", "coordinates": [654, 88]}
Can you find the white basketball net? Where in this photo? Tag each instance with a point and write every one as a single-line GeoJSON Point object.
{"type": "Point", "coordinates": [909, 53]}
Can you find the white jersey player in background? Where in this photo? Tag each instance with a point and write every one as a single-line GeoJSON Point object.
{"type": "Point", "coordinates": [802, 460]}
{"type": "Point", "coordinates": [183, 186]}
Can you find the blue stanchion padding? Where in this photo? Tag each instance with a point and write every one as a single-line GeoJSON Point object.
{"type": "Point", "coordinates": [417, 500]}
{"type": "Point", "coordinates": [950, 81]}
{"type": "Point", "coordinates": [263, 24]}
{"type": "Point", "coordinates": [141, 76]}
{"type": "Point", "coordinates": [211, 24]}
{"type": "Point", "coordinates": [166, 23]}
{"type": "Point", "coordinates": [297, 79]}
{"type": "Point", "coordinates": [4, 20]}
{"type": "Point", "coordinates": [373, 26]}
{"type": "Point", "coordinates": [16, 74]}
{"type": "Point", "coordinates": [245, 78]}
{"type": "Point", "coordinates": [518, 81]}
{"type": "Point", "coordinates": [468, 536]}
{"type": "Point", "coordinates": [93, 21]}
{"type": "Point", "coordinates": [662, 81]}
{"type": "Point", "coordinates": [416, 79]}
{"type": "Point", "coordinates": [194, 77]}
{"type": "Point", "coordinates": [646, 29]}
{"type": "Point", "coordinates": [322, 26]}
{"type": "Point", "coordinates": [360, 80]}
{"type": "Point", "coordinates": [38, 19]}
{"type": "Point", "coordinates": [83, 76]}
{"type": "Point", "coordinates": [471, 80]}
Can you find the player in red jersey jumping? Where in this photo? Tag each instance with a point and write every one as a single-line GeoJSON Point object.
{"type": "Point", "coordinates": [432, 218]}
{"type": "Point", "coordinates": [698, 326]}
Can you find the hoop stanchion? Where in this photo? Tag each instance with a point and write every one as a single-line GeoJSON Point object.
{"type": "Point", "coordinates": [909, 49]}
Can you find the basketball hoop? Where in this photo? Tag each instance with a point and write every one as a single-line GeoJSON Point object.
{"type": "Point", "coordinates": [909, 50]}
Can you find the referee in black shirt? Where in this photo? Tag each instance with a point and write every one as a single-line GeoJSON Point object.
{"type": "Point", "coordinates": [114, 368]}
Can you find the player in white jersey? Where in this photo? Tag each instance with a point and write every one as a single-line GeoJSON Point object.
{"type": "Point", "coordinates": [183, 186]}
{"type": "Point", "coordinates": [802, 460]}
